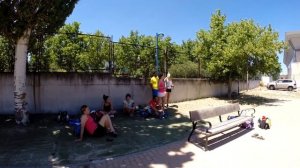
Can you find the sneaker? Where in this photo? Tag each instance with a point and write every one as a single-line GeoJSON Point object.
{"type": "Point", "coordinates": [113, 134]}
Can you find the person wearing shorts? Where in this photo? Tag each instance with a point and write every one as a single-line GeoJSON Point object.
{"type": "Point", "coordinates": [154, 84]}
{"type": "Point", "coordinates": [93, 128]}
{"type": "Point", "coordinates": [161, 91]}
{"type": "Point", "coordinates": [169, 86]}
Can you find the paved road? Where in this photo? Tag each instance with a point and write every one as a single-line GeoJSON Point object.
{"type": "Point", "coordinates": [280, 148]}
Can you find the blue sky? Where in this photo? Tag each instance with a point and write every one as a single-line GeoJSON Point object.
{"type": "Point", "coordinates": [180, 19]}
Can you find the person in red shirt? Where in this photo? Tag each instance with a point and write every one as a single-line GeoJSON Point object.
{"type": "Point", "coordinates": [155, 106]}
{"type": "Point", "coordinates": [93, 128]}
{"type": "Point", "coordinates": [161, 91]}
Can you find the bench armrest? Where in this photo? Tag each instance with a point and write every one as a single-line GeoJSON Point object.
{"type": "Point", "coordinates": [245, 111]}
{"type": "Point", "coordinates": [202, 122]}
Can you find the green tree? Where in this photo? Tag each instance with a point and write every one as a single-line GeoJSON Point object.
{"type": "Point", "coordinates": [135, 55]}
{"type": "Point", "coordinates": [96, 52]}
{"type": "Point", "coordinates": [187, 69]}
{"type": "Point", "coordinates": [69, 50]}
{"type": "Point", "coordinates": [6, 55]}
{"type": "Point", "coordinates": [229, 52]}
{"type": "Point", "coordinates": [64, 48]}
{"type": "Point", "coordinates": [21, 21]}
{"type": "Point", "coordinates": [168, 52]}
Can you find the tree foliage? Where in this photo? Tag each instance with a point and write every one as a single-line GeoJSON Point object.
{"type": "Point", "coordinates": [6, 55]}
{"type": "Point", "coordinates": [22, 21]}
{"type": "Point", "coordinates": [187, 69]}
{"type": "Point", "coordinates": [135, 54]}
{"type": "Point", "coordinates": [229, 52]}
{"type": "Point", "coordinates": [42, 17]}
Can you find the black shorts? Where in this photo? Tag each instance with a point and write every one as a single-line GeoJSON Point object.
{"type": "Point", "coordinates": [100, 131]}
{"type": "Point", "coordinates": [169, 90]}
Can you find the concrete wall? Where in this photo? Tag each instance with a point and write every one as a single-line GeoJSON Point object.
{"type": "Point", "coordinates": [53, 92]}
{"type": "Point", "coordinates": [295, 72]}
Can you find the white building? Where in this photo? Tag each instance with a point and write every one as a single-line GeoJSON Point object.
{"type": "Point", "coordinates": [292, 55]}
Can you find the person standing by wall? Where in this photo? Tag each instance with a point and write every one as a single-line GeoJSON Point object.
{"type": "Point", "coordinates": [169, 87]}
{"type": "Point", "coordinates": [161, 91]}
{"type": "Point", "coordinates": [154, 84]}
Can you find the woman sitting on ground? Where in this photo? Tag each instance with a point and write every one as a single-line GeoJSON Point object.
{"type": "Point", "coordinates": [88, 124]}
{"type": "Point", "coordinates": [128, 105]}
{"type": "Point", "coordinates": [107, 106]}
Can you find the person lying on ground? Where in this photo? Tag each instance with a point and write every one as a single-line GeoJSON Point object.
{"type": "Point", "coordinates": [128, 105]}
{"type": "Point", "coordinates": [88, 124]}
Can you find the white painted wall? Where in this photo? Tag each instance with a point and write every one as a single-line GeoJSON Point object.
{"type": "Point", "coordinates": [295, 72]}
{"type": "Point", "coordinates": [265, 80]}
{"type": "Point", "coordinates": [53, 92]}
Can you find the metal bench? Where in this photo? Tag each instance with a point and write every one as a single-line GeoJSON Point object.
{"type": "Point", "coordinates": [201, 125]}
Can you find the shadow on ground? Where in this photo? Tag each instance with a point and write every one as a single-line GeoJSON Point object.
{"type": "Point", "coordinates": [220, 139]}
{"type": "Point", "coordinates": [46, 143]}
{"type": "Point", "coordinates": [245, 99]}
{"type": "Point", "coordinates": [170, 156]}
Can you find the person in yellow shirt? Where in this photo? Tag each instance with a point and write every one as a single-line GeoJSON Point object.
{"type": "Point", "coordinates": [154, 84]}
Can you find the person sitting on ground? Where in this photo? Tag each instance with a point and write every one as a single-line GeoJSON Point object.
{"type": "Point", "coordinates": [107, 106]}
{"type": "Point", "coordinates": [93, 128]}
{"type": "Point", "coordinates": [155, 106]}
{"type": "Point", "coordinates": [128, 107]}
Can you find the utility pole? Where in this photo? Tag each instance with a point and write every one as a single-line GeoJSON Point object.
{"type": "Point", "coordinates": [156, 52]}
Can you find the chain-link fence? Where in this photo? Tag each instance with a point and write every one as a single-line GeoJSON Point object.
{"type": "Point", "coordinates": [86, 53]}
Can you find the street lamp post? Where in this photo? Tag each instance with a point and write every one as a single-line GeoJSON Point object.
{"type": "Point", "coordinates": [156, 51]}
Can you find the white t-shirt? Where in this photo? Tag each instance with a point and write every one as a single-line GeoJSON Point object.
{"type": "Point", "coordinates": [129, 104]}
{"type": "Point", "coordinates": [169, 83]}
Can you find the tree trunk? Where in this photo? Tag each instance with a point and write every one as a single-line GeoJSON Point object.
{"type": "Point", "coordinates": [229, 87]}
{"type": "Point", "coordinates": [247, 81]}
{"type": "Point", "coordinates": [199, 68]}
{"type": "Point", "coordinates": [20, 78]}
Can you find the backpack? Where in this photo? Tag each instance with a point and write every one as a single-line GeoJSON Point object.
{"type": "Point", "coordinates": [164, 115]}
{"type": "Point", "coordinates": [75, 123]}
{"type": "Point", "coordinates": [248, 124]}
{"type": "Point", "coordinates": [264, 122]}
{"type": "Point", "coordinates": [96, 115]}
{"type": "Point", "coordinates": [63, 116]}
{"type": "Point", "coordinates": [146, 112]}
